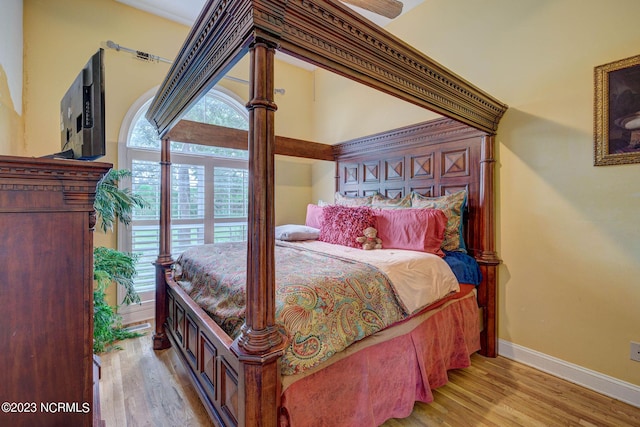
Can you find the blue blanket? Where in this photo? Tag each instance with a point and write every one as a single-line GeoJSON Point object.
{"type": "Point", "coordinates": [464, 267]}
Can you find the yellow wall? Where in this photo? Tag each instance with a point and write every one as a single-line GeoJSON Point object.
{"type": "Point", "coordinates": [11, 123]}
{"type": "Point", "coordinates": [568, 232]}
{"type": "Point", "coordinates": [59, 38]}
{"type": "Point", "coordinates": [356, 110]}
{"type": "Point", "coordinates": [323, 179]}
{"type": "Point", "coordinates": [294, 119]}
{"type": "Point", "coordinates": [61, 35]}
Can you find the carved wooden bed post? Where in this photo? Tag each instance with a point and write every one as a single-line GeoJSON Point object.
{"type": "Point", "coordinates": [260, 343]}
{"type": "Point", "coordinates": [164, 261]}
{"type": "Point", "coordinates": [488, 257]}
{"type": "Point", "coordinates": [327, 34]}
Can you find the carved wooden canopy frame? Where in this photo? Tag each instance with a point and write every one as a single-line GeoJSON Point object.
{"type": "Point", "coordinates": [328, 35]}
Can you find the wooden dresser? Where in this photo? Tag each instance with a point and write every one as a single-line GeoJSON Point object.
{"type": "Point", "coordinates": [46, 291]}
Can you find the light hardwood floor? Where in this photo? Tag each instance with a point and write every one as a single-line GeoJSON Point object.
{"type": "Point", "coordinates": [140, 387]}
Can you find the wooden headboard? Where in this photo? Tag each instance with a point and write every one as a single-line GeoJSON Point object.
{"type": "Point", "coordinates": [433, 159]}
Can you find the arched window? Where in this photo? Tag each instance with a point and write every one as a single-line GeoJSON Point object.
{"type": "Point", "coordinates": [209, 190]}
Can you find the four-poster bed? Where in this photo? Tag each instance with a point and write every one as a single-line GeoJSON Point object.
{"type": "Point", "coordinates": [239, 380]}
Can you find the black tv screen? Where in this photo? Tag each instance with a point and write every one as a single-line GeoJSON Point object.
{"type": "Point", "coordinates": [82, 113]}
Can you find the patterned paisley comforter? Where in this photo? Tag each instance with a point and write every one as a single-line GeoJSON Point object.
{"type": "Point", "coordinates": [323, 303]}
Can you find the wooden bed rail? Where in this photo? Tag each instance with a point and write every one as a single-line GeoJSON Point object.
{"type": "Point", "coordinates": [220, 136]}
{"type": "Point", "coordinates": [330, 35]}
{"type": "Point", "coordinates": [239, 380]}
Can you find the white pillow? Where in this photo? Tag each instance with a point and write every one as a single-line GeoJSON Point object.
{"type": "Point", "coordinates": [291, 232]}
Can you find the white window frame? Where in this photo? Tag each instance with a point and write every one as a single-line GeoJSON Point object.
{"type": "Point", "coordinates": [146, 310]}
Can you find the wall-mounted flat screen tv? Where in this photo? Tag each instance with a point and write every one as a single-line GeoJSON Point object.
{"type": "Point", "coordinates": [82, 121]}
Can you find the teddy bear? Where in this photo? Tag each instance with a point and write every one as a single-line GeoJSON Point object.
{"type": "Point", "coordinates": [370, 239]}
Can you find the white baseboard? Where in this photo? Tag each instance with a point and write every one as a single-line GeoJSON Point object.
{"type": "Point", "coordinates": [603, 384]}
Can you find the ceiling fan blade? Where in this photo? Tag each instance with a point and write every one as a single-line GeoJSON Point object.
{"type": "Point", "coordinates": [387, 8]}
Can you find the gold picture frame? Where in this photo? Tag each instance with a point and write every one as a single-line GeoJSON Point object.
{"type": "Point", "coordinates": [617, 112]}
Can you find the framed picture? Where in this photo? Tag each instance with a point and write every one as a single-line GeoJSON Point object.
{"type": "Point", "coordinates": [617, 112]}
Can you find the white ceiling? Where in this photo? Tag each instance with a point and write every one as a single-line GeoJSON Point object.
{"type": "Point", "coordinates": [186, 11]}
{"type": "Point", "coordinates": [183, 11]}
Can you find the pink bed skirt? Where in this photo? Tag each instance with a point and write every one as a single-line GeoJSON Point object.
{"type": "Point", "coordinates": [384, 380]}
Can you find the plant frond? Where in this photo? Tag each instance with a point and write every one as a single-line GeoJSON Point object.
{"type": "Point", "coordinates": [107, 329]}
{"type": "Point", "coordinates": [113, 203]}
{"type": "Point", "coordinates": [119, 267]}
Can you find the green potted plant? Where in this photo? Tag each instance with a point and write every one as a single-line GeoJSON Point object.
{"type": "Point", "coordinates": [113, 205]}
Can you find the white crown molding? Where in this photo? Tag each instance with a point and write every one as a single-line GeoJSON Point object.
{"type": "Point", "coordinates": [603, 384]}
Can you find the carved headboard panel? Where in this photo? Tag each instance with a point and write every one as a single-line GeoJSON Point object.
{"type": "Point", "coordinates": [432, 158]}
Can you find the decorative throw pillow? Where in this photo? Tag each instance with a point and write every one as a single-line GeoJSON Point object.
{"type": "Point", "coordinates": [314, 216]}
{"type": "Point", "coordinates": [413, 229]}
{"type": "Point", "coordinates": [384, 202]}
{"type": "Point", "coordinates": [352, 201]}
{"type": "Point", "coordinates": [453, 206]}
{"type": "Point", "coordinates": [341, 225]}
{"type": "Point", "coordinates": [293, 232]}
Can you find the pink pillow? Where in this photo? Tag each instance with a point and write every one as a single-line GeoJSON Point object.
{"type": "Point", "coordinates": [414, 229]}
{"type": "Point", "coordinates": [314, 216]}
{"type": "Point", "coordinates": [341, 225]}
